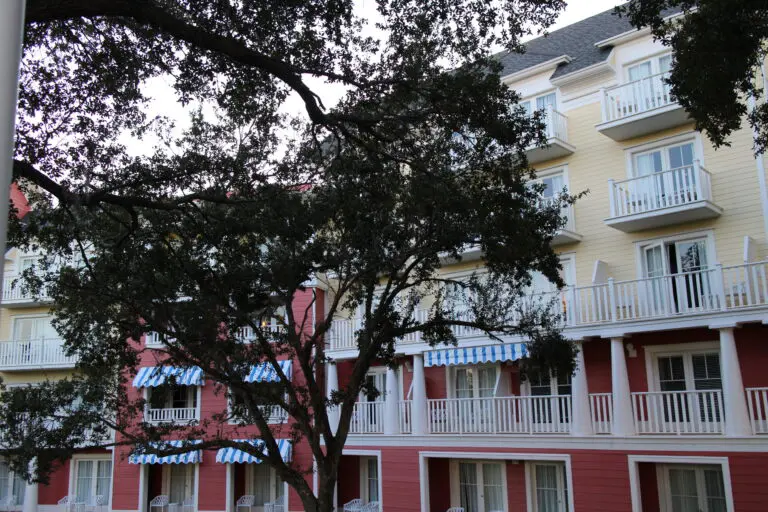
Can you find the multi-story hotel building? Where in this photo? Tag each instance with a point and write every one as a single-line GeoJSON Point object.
{"type": "Point", "coordinates": [667, 296]}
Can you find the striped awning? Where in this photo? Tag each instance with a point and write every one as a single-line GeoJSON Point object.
{"type": "Point", "coordinates": [153, 376]}
{"type": "Point", "coordinates": [475, 355]}
{"type": "Point", "coordinates": [230, 455]}
{"type": "Point", "coordinates": [265, 372]}
{"type": "Point", "coordinates": [190, 457]}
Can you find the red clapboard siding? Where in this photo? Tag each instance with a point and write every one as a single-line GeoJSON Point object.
{"type": "Point", "coordinates": [400, 484]}
{"type": "Point", "coordinates": [213, 478]}
{"type": "Point", "coordinates": [57, 486]}
{"type": "Point", "coordinates": [597, 361]}
{"type": "Point", "coordinates": [649, 487]}
{"type": "Point", "coordinates": [439, 478]}
{"type": "Point", "coordinates": [516, 491]}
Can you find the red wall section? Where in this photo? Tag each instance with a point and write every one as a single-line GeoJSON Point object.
{"type": "Point", "coordinates": [600, 479]}
{"type": "Point", "coordinates": [212, 494]}
{"type": "Point", "coordinates": [57, 487]}
{"type": "Point", "coordinates": [349, 479]}
{"type": "Point", "coordinates": [516, 491]}
{"type": "Point", "coordinates": [649, 488]}
{"type": "Point", "coordinates": [597, 361]}
{"type": "Point", "coordinates": [439, 485]}
{"type": "Point", "coordinates": [400, 484]}
{"type": "Point", "coordinates": [753, 355]}
{"type": "Point", "coordinates": [748, 472]}
{"type": "Point", "coordinates": [436, 382]}
{"type": "Point", "coordinates": [125, 482]}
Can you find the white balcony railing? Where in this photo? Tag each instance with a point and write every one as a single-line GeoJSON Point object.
{"type": "Point", "coordinates": [178, 415]}
{"type": "Point", "coordinates": [678, 412]}
{"type": "Point", "coordinates": [38, 353]}
{"type": "Point", "coordinates": [601, 411]}
{"type": "Point", "coordinates": [404, 409]}
{"type": "Point", "coordinates": [367, 418]}
{"type": "Point", "coordinates": [500, 415]}
{"type": "Point", "coordinates": [667, 189]}
{"type": "Point", "coordinates": [556, 124]}
{"type": "Point", "coordinates": [757, 402]}
{"type": "Point", "coordinates": [13, 291]}
{"type": "Point", "coordinates": [646, 94]}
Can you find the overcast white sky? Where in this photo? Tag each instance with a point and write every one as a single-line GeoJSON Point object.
{"type": "Point", "coordinates": [164, 99]}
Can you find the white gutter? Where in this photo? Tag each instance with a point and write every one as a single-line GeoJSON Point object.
{"type": "Point", "coordinates": [759, 160]}
{"type": "Point", "coordinates": [535, 69]}
{"type": "Point", "coordinates": [11, 33]}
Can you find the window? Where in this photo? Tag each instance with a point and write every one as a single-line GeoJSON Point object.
{"type": "Point", "coordinates": [93, 478]}
{"type": "Point", "coordinates": [173, 397]}
{"type": "Point", "coordinates": [650, 67]}
{"type": "Point", "coordinates": [687, 487]}
{"type": "Point", "coordinates": [475, 381]}
{"type": "Point", "coordinates": [541, 102]}
{"type": "Point", "coordinates": [264, 484]}
{"type": "Point", "coordinates": [179, 482]}
{"type": "Point", "coordinates": [11, 485]}
{"type": "Point", "coordinates": [369, 479]}
{"type": "Point", "coordinates": [33, 328]}
{"type": "Point", "coordinates": [28, 262]}
{"type": "Point", "coordinates": [549, 413]}
{"type": "Point", "coordinates": [239, 413]}
{"type": "Point", "coordinates": [478, 486]}
{"type": "Point", "coordinates": [689, 371]}
{"type": "Point", "coordinates": [550, 490]}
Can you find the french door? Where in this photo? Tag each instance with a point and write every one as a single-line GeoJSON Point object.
{"type": "Point", "coordinates": [550, 488]}
{"type": "Point", "coordinates": [179, 482]}
{"type": "Point", "coordinates": [688, 488]}
{"type": "Point", "coordinates": [265, 486]}
{"type": "Point", "coordinates": [659, 188]}
{"type": "Point", "coordinates": [677, 277]}
{"type": "Point", "coordinates": [550, 405]}
{"type": "Point", "coordinates": [478, 486]}
{"type": "Point", "coordinates": [369, 479]}
{"type": "Point", "coordinates": [690, 372]}
{"type": "Point", "coordinates": [374, 393]}
{"type": "Point", "coordinates": [93, 478]}
{"type": "Point", "coordinates": [476, 386]}
{"type": "Point", "coordinates": [11, 485]}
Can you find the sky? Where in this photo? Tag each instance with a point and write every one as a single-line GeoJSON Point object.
{"type": "Point", "coordinates": [164, 100]}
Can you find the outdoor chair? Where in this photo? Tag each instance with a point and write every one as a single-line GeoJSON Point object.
{"type": "Point", "coordinates": [275, 506]}
{"type": "Point", "coordinates": [355, 505]}
{"type": "Point", "coordinates": [161, 501]}
{"type": "Point", "coordinates": [245, 501]}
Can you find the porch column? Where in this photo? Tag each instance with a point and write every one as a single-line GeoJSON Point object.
{"type": "Point", "coordinates": [623, 422]}
{"type": "Point", "coordinates": [30, 489]}
{"type": "Point", "coordinates": [419, 404]}
{"type": "Point", "coordinates": [734, 401]}
{"type": "Point", "coordinates": [581, 415]}
{"type": "Point", "coordinates": [391, 409]}
{"type": "Point", "coordinates": [332, 384]}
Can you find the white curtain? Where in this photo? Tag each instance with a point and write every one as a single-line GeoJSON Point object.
{"type": "Point", "coordinates": [546, 488]}
{"type": "Point", "coordinates": [713, 483]}
{"type": "Point", "coordinates": [464, 383]}
{"type": "Point", "coordinates": [682, 484]}
{"type": "Point", "coordinates": [493, 487]}
{"type": "Point", "coordinates": [104, 479]}
{"type": "Point", "coordinates": [468, 486]}
{"type": "Point", "coordinates": [83, 488]}
{"type": "Point", "coordinates": [261, 483]}
{"type": "Point", "coordinates": [373, 479]}
{"type": "Point", "coordinates": [179, 485]}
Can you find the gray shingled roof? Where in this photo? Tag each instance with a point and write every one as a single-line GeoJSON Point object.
{"type": "Point", "coordinates": [576, 40]}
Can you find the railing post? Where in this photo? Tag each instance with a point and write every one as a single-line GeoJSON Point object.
{"type": "Point", "coordinates": [720, 280]}
{"type": "Point", "coordinates": [698, 177]}
{"type": "Point", "coordinates": [612, 196]}
{"type": "Point", "coordinates": [550, 122]}
{"type": "Point", "coordinates": [603, 104]}
{"type": "Point", "coordinates": [581, 417]}
{"type": "Point", "coordinates": [623, 421]}
{"type": "Point", "coordinates": [735, 402]}
{"type": "Point", "coordinates": [332, 384]}
{"type": "Point", "coordinates": [391, 409]}
{"type": "Point", "coordinates": [612, 298]}
{"type": "Point", "coordinates": [570, 312]}
{"type": "Point", "coordinates": [419, 416]}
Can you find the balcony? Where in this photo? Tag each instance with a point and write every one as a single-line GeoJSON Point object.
{"type": "Point", "coordinates": [38, 354]}
{"type": "Point", "coordinates": [173, 415]}
{"type": "Point", "coordinates": [567, 234]}
{"type": "Point", "coordinates": [714, 290]}
{"type": "Point", "coordinates": [14, 294]}
{"type": "Point", "coordinates": [665, 198]}
{"type": "Point", "coordinates": [557, 146]}
{"type": "Point", "coordinates": [639, 108]}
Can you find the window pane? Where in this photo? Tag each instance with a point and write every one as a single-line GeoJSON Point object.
{"type": "Point", "coordinates": [179, 477]}
{"type": "Point", "coordinates": [681, 156]}
{"type": "Point", "coordinates": [648, 163]}
{"type": "Point", "coordinates": [640, 71]}
{"type": "Point", "coordinates": [464, 383]}
{"type": "Point", "coordinates": [5, 478]}
{"type": "Point", "coordinates": [83, 487]}
{"type": "Point", "coordinates": [546, 488]}
{"type": "Point", "coordinates": [665, 63]}
{"type": "Point", "coordinates": [713, 484]}
{"type": "Point", "coordinates": [682, 485]}
{"type": "Point", "coordinates": [671, 373]}
{"type": "Point", "coordinates": [543, 102]}
{"type": "Point", "coordinates": [261, 483]}
{"type": "Point", "coordinates": [18, 489]}
{"type": "Point", "coordinates": [104, 479]}
{"type": "Point", "coordinates": [468, 486]}
{"type": "Point", "coordinates": [493, 487]}
{"type": "Point", "coordinates": [526, 106]}
{"type": "Point", "coordinates": [373, 479]}
{"type": "Point", "coordinates": [487, 381]}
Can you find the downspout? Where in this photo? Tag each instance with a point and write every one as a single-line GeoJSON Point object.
{"type": "Point", "coordinates": [760, 162]}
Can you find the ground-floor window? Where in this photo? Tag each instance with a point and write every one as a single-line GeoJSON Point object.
{"type": "Point", "coordinates": [265, 485]}
{"type": "Point", "coordinates": [550, 488]}
{"type": "Point", "coordinates": [11, 486]}
{"type": "Point", "coordinates": [478, 486]}
{"type": "Point", "coordinates": [691, 488]}
{"type": "Point", "coordinates": [369, 479]}
{"type": "Point", "coordinates": [93, 477]}
{"type": "Point", "coordinates": [179, 482]}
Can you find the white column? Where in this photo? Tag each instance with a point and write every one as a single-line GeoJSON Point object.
{"type": "Point", "coordinates": [332, 384]}
{"type": "Point", "coordinates": [11, 32]}
{"type": "Point", "coordinates": [623, 422]}
{"type": "Point", "coordinates": [30, 489]}
{"type": "Point", "coordinates": [734, 400]}
{"type": "Point", "coordinates": [581, 417]}
{"type": "Point", "coordinates": [391, 420]}
{"type": "Point", "coordinates": [419, 403]}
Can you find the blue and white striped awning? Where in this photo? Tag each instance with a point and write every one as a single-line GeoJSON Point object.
{"type": "Point", "coordinates": [475, 355]}
{"type": "Point", "coordinates": [265, 372]}
{"type": "Point", "coordinates": [153, 376]}
{"type": "Point", "coordinates": [190, 457]}
{"type": "Point", "coordinates": [230, 455]}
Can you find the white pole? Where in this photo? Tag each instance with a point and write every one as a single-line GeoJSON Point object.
{"type": "Point", "coordinates": [332, 384]}
{"type": "Point", "coordinates": [582, 417]}
{"type": "Point", "coordinates": [31, 489]}
{"type": "Point", "coordinates": [623, 422]}
{"type": "Point", "coordinates": [419, 425]}
{"type": "Point", "coordinates": [734, 402]}
{"type": "Point", "coordinates": [760, 162]}
{"type": "Point", "coordinates": [391, 409]}
{"type": "Point", "coordinates": [11, 33]}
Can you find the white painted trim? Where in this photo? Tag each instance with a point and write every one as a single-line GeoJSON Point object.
{"type": "Point", "coordinates": [652, 353]}
{"type": "Point", "coordinates": [534, 70]}
{"type": "Point", "coordinates": [369, 453]}
{"type": "Point", "coordinates": [143, 487]}
{"type": "Point", "coordinates": [634, 476]}
{"type": "Point", "coordinates": [229, 493]}
{"type": "Point", "coordinates": [624, 37]}
{"type": "Point", "coordinates": [424, 483]}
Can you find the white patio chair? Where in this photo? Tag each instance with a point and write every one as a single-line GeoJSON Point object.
{"type": "Point", "coordinates": [161, 501]}
{"type": "Point", "coordinates": [245, 501]}
{"type": "Point", "coordinates": [371, 506]}
{"type": "Point", "coordinates": [275, 506]}
{"type": "Point", "coordinates": [455, 509]}
{"type": "Point", "coordinates": [355, 505]}
{"type": "Point", "coordinates": [7, 503]}
{"type": "Point", "coordinates": [188, 505]}
{"type": "Point", "coordinates": [67, 503]}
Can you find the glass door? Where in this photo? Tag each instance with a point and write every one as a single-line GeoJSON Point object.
{"type": "Point", "coordinates": [550, 488]}
{"type": "Point", "coordinates": [654, 292]}
{"type": "Point", "coordinates": [373, 397]}
{"type": "Point", "coordinates": [180, 482]}
{"type": "Point", "coordinates": [265, 486]}
{"type": "Point", "coordinates": [693, 287]}
{"type": "Point", "coordinates": [481, 487]}
{"type": "Point", "coordinates": [370, 479]}
{"type": "Point", "coordinates": [689, 372]}
{"type": "Point", "coordinates": [693, 489]}
{"type": "Point", "coordinates": [475, 387]}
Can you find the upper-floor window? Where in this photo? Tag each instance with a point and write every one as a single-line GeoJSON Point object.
{"type": "Point", "coordinates": [541, 102]}
{"type": "Point", "coordinates": [663, 158]}
{"type": "Point", "coordinates": [649, 67]}
{"type": "Point", "coordinates": [475, 381]}
{"type": "Point", "coordinates": [33, 328]}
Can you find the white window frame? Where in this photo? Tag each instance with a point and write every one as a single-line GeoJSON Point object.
{"type": "Point", "coordinates": [631, 152]}
{"type": "Point", "coordinates": [634, 475]}
{"type": "Point", "coordinates": [30, 316]}
{"type": "Point", "coordinates": [96, 458]}
{"type": "Point", "coordinates": [272, 475]}
{"type": "Point", "coordinates": [364, 477]}
{"type": "Point", "coordinates": [653, 59]}
{"type": "Point", "coordinates": [653, 352]}
{"type": "Point", "coordinates": [533, 97]}
{"type": "Point", "coordinates": [378, 372]}
{"type": "Point", "coordinates": [450, 372]}
{"type": "Point", "coordinates": [454, 476]}
{"type": "Point", "coordinates": [564, 496]}
{"type": "Point", "coordinates": [640, 246]}
{"type": "Point", "coordinates": [525, 386]}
